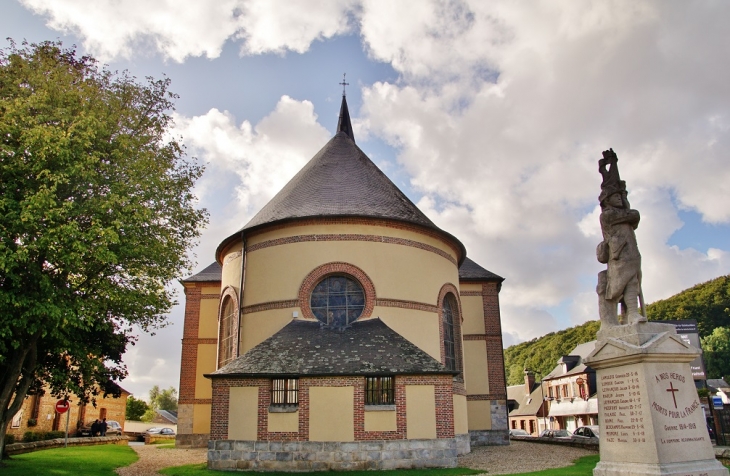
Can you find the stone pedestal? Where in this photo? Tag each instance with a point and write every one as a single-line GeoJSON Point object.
{"type": "Point", "coordinates": [649, 412]}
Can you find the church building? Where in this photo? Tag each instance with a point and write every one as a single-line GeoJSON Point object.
{"type": "Point", "coordinates": [340, 328]}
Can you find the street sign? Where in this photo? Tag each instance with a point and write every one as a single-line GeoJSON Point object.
{"type": "Point", "coordinates": [717, 401]}
{"type": "Point", "coordinates": [62, 406]}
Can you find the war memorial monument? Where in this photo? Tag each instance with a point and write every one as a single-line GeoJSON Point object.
{"type": "Point", "coordinates": [650, 415]}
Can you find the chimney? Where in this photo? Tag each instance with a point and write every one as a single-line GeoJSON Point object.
{"type": "Point", "coordinates": [529, 381]}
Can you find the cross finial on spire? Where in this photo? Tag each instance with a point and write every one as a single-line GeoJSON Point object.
{"type": "Point", "coordinates": [343, 84]}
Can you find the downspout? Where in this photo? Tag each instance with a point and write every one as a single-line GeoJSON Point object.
{"type": "Point", "coordinates": [240, 291]}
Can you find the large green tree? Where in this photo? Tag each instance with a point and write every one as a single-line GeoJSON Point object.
{"type": "Point", "coordinates": [135, 408]}
{"type": "Point", "coordinates": [96, 217]}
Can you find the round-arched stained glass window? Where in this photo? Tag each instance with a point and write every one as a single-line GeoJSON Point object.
{"type": "Point", "coordinates": [337, 301]}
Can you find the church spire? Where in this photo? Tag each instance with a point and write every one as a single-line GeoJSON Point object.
{"type": "Point", "coordinates": [344, 124]}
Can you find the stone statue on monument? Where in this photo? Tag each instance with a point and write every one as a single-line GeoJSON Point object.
{"type": "Point", "coordinates": [620, 283]}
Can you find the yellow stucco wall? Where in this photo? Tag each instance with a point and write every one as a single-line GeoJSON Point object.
{"type": "Point", "coordinates": [473, 312]}
{"type": "Point", "coordinates": [475, 367]}
{"type": "Point", "coordinates": [243, 413]}
{"type": "Point", "coordinates": [210, 290]}
{"type": "Point", "coordinates": [331, 414]}
{"type": "Point", "coordinates": [231, 272]}
{"type": "Point", "coordinates": [284, 422]}
{"type": "Point", "coordinates": [208, 324]}
{"type": "Point", "coordinates": [419, 327]}
{"type": "Point", "coordinates": [397, 271]}
{"type": "Point", "coordinates": [461, 420]}
{"type": "Point", "coordinates": [381, 421]}
{"type": "Point", "coordinates": [470, 287]}
{"type": "Point", "coordinates": [201, 418]}
{"type": "Point", "coordinates": [480, 417]}
{"type": "Point", "coordinates": [420, 412]}
{"type": "Point", "coordinates": [206, 364]}
{"type": "Point", "coordinates": [363, 229]}
{"type": "Point", "coordinates": [259, 326]}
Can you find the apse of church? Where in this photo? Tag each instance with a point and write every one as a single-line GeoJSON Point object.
{"type": "Point", "coordinates": [341, 322]}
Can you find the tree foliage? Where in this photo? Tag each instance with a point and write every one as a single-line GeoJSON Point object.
{"type": "Point", "coordinates": [541, 354]}
{"type": "Point", "coordinates": [135, 408]}
{"type": "Point", "coordinates": [716, 353]}
{"type": "Point", "coordinates": [708, 303]}
{"type": "Point", "coordinates": [163, 399]}
{"type": "Point", "coordinates": [96, 215]}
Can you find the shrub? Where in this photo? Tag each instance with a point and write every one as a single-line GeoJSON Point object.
{"type": "Point", "coordinates": [9, 439]}
{"type": "Point", "coordinates": [32, 422]}
{"type": "Point", "coordinates": [31, 436]}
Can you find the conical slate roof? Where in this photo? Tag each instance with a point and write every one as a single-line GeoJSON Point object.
{"type": "Point", "coordinates": [340, 181]}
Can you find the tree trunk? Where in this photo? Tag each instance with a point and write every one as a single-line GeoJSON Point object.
{"type": "Point", "coordinates": [17, 381]}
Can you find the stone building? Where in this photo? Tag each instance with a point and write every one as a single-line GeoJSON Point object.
{"type": "Point", "coordinates": [527, 406]}
{"type": "Point", "coordinates": [341, 329]}
{"type": "Point", "coordinates": [38, 413]}
{"type": "Point", "coordinates": [571, 390]}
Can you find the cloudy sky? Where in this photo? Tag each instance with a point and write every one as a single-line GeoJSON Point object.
{"type": "Point", "coordinates": [491, 116]}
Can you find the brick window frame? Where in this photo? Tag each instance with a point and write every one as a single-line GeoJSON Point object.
{"type": "Point", "coordinates": [380, 390]}
{"type": "Point", "coordinates": [285, 391]}
{"type": "Point", "coordinates": [446, 291]}
{"type": "Point", "coordinates": [331, 269]}
{"type": "Point", "coordinates": [228, 295]}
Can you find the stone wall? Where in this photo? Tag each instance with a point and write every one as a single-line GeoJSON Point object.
{"type": "Point", "coordinates": [336, 456]}
{"type": "Point", "coordinates": [190, 440]}
{"type": "Point", "coordinates": [20, 448]}
{"type": "Point", "coordinates": [489, 437]}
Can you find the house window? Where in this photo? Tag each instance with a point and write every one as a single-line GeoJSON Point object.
{"type": "Point", "coordinates": [448, 312]}
{"type": "Point", "coordinates": [17, 419]}
{"type": "Point", "coordinates": [284, 391]}
{"type": "Point", "coordinates": [565, 391]}
{"type": "Point", "coordinates": [227, 337]}
{"type": "Point", "coordinates": [337, 301]}
{"type": "Point", "coordinates": [379, 391]}
{"type": "Point", "coordinates": [550, 392]}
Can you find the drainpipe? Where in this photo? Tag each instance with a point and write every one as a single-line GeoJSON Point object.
{"type": "Point", "coordinates": [240, 291]}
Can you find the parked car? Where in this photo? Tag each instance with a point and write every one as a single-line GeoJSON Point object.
{"type": "Point", "coordinates": [518, 432]}
{"type": "Point", "coordinates": [113, 428]}
{"type": "Point", "coordinates": [586, 432]}
{"type": "Point", "coordinates": [555, 434]}
{"type": "Point", "coordinates": [161, 431]}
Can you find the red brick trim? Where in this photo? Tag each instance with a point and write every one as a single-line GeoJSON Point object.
{"type": "Point", "coordinates": [443, 394]}
{"type": "Point", "coordinates": [487, 396]}
{"type": "Point", "coordinates": [398, 225]}
{"type": "Point", "coordinates": [475, 337]}
{"type": "Point", "coordinates": [265, 306]}
{"type": "Point", "coordinates": [205, 340]}
{"type": "Point", "coordinates": [419, 306]}
{"type": "Point", "coordinates": [329, 269]}
{"type": "Point", "coordinates": [229, 293]}
{"type": "Point", "coordinates": [231, 256]}
{"type": "Point", "coordinates": [470, 293]}
{"type": "Point", "coordinates": [351, 237]}
{"type": "Point", "coordinates": [195, 401]}
{"type": "Point", "coordinates": [210, 296]}
{"type": "Point", "coordinates": [446, 289]}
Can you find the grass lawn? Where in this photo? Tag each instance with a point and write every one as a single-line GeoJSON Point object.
{"type": "Point", "coordinates": [73, 461]}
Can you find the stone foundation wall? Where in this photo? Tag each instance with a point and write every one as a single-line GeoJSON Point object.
{"type": "Point", "coordinates": [337, 456]}
{"type": "Point", "coordinates": [191, 440]}
{"type": "Point", "coordinates": [489, 437]}
{"type": "Point", "coordinates": [463, 444]}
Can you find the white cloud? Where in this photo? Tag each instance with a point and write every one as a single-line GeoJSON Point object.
{"type": "Point", "coordinates": [178, 29]}
{"type": "Point", "coordinates": [507, 160]}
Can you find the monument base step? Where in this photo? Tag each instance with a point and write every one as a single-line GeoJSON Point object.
{"type": "Point", "coordinates": [686, 468]}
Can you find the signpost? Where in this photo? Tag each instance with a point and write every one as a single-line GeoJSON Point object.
{"type": "Point", "coordinates": [62, 406]}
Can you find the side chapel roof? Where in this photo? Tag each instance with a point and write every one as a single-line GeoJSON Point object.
{"type": "Point", "coordinates": [211, 273]}
{"type": "Point", "coordinates": [340, 181]}
{"type": "Point", "coordinates": [368, 347]}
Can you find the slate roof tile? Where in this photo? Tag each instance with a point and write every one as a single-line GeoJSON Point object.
{"type": "Point", "coordinates": [470, 271]}
{"type": "Point", "coordinates": [368, 347]}
{"type": "Point", "coordinates": [211, 273]}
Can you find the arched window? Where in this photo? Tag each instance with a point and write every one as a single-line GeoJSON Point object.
{"type": "Point", "coordinates": [227, 332]}
{"type": "Point", "coordinates": [448, 315]}
{"type": "Point", "coordinates": [337, 301]}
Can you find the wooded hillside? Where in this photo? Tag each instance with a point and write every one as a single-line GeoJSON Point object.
{"type": "Point", "coordinates": [708, 303]}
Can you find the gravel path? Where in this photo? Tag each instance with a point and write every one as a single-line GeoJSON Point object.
{"type": "Point", "coordinates": [518, 457]}
{"type": "Point", "coordinates": [521, 457]}
{"type": "Point", "coordinates": [152, 459]}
